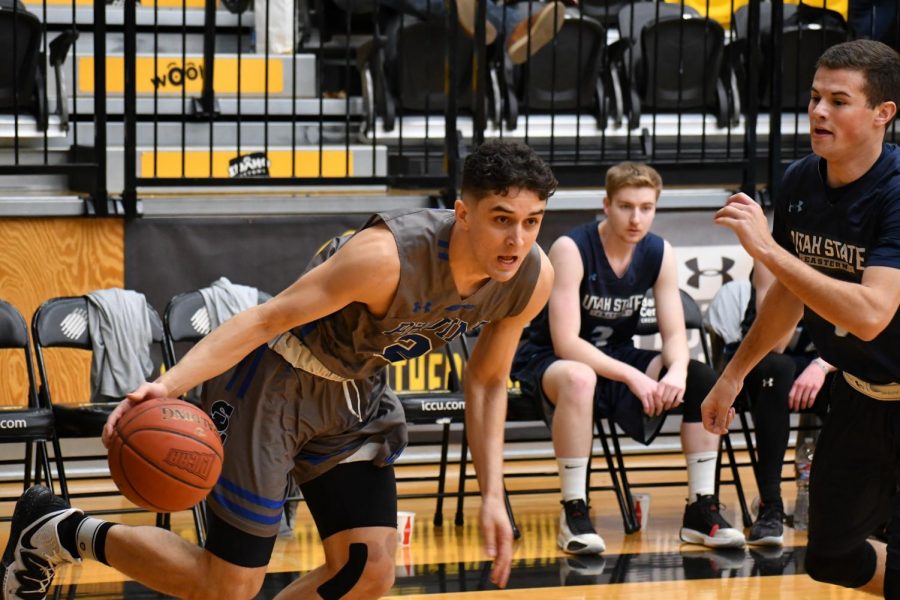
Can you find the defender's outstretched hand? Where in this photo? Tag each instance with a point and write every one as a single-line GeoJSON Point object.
{"type": "Point", "coordinates": [146, 391]}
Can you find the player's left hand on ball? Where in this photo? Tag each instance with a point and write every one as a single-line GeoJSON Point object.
{"type": "Point", "coordinates": [146, 391]}
{"type": "Point", "coordinates": [498, 538]}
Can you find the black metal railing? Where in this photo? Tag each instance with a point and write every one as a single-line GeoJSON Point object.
{"type": "Point", "coordinates": [367, 95]}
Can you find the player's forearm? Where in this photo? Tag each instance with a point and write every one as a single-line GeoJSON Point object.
{"type": "Point", "coordinates": [583, 351]}
{"type": "Point", "coordinates": [675, 353]}
{"type": "Point", "coordinates": [216, 353]}
{"type": "Point", "coordinates": [779, 314]}
{"type": "Point", "coordinates": [485, 429]}
{"type": "Point", "coordinates": [850, 306]}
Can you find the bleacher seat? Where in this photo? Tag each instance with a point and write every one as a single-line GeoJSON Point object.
{"type": "Point", "coordinates": [403, 72]}
{"type": "Point", "coordinates": [807, 32]}
{"type": "Point", "coordinates": [565, 77]}
{"type": "Point", "coordinates": [672, 61]}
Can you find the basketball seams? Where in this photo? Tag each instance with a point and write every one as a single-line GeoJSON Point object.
{"type": "Point", "coordinates": [146, 405]}
{"type": "Point", "coordinates": [126, 432]}
{"type": "Point", "coordinates": [158, 468]}
{"type": "Point", "coordinates": [174, 432]}
{"type": "Point", "coordinates": [131, 487]}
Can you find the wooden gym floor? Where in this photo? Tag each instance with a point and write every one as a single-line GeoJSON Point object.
{"type": "Point", "coordinates": [447, 562]}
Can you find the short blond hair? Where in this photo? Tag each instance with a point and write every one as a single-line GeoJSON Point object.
{"type": "Point", "coordinates": [632, 174]}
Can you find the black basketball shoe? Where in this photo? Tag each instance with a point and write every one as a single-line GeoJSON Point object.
{"type": "Point", "coordinates": [768, 529]}
{"type": "Point", "coordinates": [576, 532]}
{"type": "Point", "coordinates": [34, 549]}
{"type": "Point", "coordinates": [704, 524]}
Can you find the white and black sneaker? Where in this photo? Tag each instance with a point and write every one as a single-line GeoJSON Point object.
{"type": "Point", "coordinates": [34, 549]}
{"type": "Point", "coordinates": [576, 532]}
{"type": "Point", "coordinates": [704, 524]}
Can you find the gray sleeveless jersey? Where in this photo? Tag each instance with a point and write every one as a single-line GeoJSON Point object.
{"type": "Point", "coordinates": [427, 311]}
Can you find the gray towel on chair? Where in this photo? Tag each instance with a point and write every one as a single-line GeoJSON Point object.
{"type": "Point", "coordinates": [224, 299]}
{"type": "Point", "coordinates": [726, 311]}
{"type": "Point", "coordinates": [119, 322]}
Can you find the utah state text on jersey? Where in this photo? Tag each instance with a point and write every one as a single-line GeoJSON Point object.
{"type": "Point", "coordinates": [820, 251]}
{"type": "Point", "coordinates": [605, 307]}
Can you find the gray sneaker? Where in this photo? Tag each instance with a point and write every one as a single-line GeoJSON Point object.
{"type": "Point", "coordinates": [768, 529]}
{"type": "Point", "coordinates": [34, 549]}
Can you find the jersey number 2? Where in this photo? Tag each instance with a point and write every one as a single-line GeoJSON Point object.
{"type": "Point", "coordinates": [407, 347]}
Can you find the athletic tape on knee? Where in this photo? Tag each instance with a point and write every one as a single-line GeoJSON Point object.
{"type": "Point", "coordinates": [344, 580]}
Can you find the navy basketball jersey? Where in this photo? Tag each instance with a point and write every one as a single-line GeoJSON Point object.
{"type": "Point", "coordinates": [426, 311]}
{"type": "Point", "coordinates": [610, 305]}
{"type": "Point", "coordinates": [840, 232]}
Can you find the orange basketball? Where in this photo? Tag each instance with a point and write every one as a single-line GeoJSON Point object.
{"type": "Point", "coordinates": [166, 455]}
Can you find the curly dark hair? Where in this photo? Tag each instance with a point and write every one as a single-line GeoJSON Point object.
{"type": "Point", "coordinates": [498, 165]}
{"type": "Point", "coordinates": [878, 62]}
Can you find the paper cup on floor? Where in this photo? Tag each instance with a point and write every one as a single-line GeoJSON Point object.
{"type": "Point", "coordinates": [405, 524]}
{"type": "Point", "coordinates": [641, 509]}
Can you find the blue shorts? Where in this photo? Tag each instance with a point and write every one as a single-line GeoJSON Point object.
{"type": "Point", "coordinates": [612, 399]}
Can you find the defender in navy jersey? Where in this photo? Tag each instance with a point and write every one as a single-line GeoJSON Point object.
{"type": "Point", "coordinates": [835, 251]}
{"type": "Point", "coordinates": [578, 356]}
{"type": "Point", "coordinates": [306, 398]}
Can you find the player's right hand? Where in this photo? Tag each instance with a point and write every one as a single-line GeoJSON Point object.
{"type": "Point", "coordinates": [497, 537]}
{"type": "Point", "coordinates": [646, 390]}
{"type": "Point", "coordinates": [146, 391]}
{"type": "Point", "coordinates": [717, 411]}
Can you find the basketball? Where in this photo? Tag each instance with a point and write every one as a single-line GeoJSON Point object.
{"type": "Point", "coordinates": [166, 455]}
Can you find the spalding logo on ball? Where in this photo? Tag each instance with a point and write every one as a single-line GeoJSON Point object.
{"type": "Point", "coordinates": [165, 455]}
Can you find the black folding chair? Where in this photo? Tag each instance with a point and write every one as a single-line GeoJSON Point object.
{"type": "Point", "coordinates": [62, 323]}
{"type": "Point", "coordinates": [186, 321]}
{"type": "Point", "coordinates": [29, 422]}
{"type": "Point", "coordinates": [647, 325]}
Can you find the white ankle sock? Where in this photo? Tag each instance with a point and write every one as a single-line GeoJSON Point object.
{"type": "Point", "coordinates": [573, 478]}
{"type": "Point", "coordinates": [701, 468]}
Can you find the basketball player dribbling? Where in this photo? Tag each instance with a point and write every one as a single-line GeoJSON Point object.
{"type": "Point", "coordinates": [297, 388]}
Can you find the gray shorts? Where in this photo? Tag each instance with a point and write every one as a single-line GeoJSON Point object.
{"type": "Point", "coordinates": [277, 421]}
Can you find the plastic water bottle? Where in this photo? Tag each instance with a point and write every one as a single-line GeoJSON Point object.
{"type": "Point", "coordinates": [803, 463]}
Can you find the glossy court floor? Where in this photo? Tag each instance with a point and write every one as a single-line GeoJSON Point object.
{"type": "Point", "coordinates": [447, 561]}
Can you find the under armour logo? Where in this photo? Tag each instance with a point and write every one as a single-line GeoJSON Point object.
{"type": "Point", "coordinates": [694, 280]}
{"type": "Point", "coordinates": [424, 308]}
{"type": "Point", "coordinates": [200, 321]}
{"type": "Point", "coordinates": [770, 382]}
{"type": "Point", "coordinates": [75, 324]}
{"type": "Point", "coordinates": [795, 206]}
{"type": "Point", "coordinates": [593, 277]}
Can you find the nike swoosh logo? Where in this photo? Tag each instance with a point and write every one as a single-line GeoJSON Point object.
{"type": "Point", "coordinates": [703, 460]}
{"type": "Point", "coordinates": [26, 541]}
{"type": "Point", "coordinates": [570, 467]}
